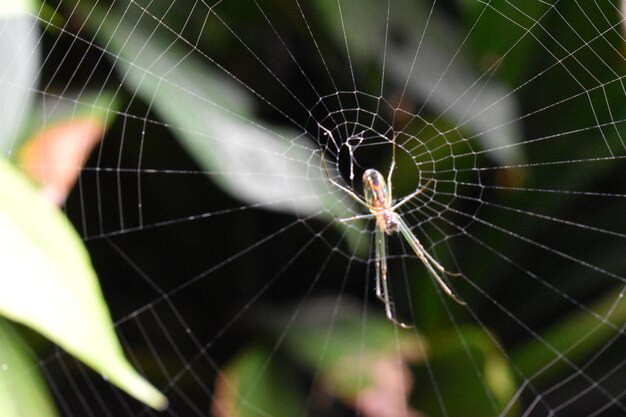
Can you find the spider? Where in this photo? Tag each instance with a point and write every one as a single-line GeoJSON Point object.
{"type": "Point", "coordinates": [379, 201]}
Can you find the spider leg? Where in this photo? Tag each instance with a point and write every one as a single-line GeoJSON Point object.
{"type": "Point", "coordinates": [426, 254]}
{"type": "Point", "coordinates": [426, 259]}
{"type": "Point", "coordinates": [438, 265]}
{"type": "Point", "coordinates": [349, 192]}
{"type": "Point", "coordinates": [410, 196]}
{"type": "Point", "coordinates": [358, 217]}
{"type": "Point", "coordinates": [390, 316]}
{"type": "Point", "coordinates": [382, 289]}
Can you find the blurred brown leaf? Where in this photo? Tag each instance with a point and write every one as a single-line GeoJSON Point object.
{"type": "Point", "coordinates": [55, 155]}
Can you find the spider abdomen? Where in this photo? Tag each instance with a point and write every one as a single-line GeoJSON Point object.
{"type": "Point", "coordinates": [375, 190]}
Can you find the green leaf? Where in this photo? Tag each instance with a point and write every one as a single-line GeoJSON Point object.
{"type": "Point", "coordinates": [483, 382]}
{"type": "Point", "coordinates": [212, 117]}
{"type": "Point", "coordinates": [345, 357]}
{"type": "Point", "coordinates": [17, 7]}
{"type": "Point", "coordinates": [272, 167]}
{"type": "Point", "coordinates": [576, 337]}
{"type": "Point", "coordinates": [23, 392]}
{"type": "Point", "coordinates": [256, 383]}
{"type": "Point", "coordinates": [102, 106]}
{"type": "Point", "coordinates": [333, 342]}
{"type": "Point", "coordinates": [361, 365]}
{"type": "Point", "coordinates": [49, 285]}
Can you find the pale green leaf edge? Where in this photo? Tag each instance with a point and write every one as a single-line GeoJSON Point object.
{"type": "Point", "coordinates": [16, 7]}
{"type": "Point", "coordinates": [65, 303]}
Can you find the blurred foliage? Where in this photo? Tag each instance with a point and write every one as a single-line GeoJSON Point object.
{"type": "Point", "coordinates": [50, 286]}
{"type": "Point", "coordinates": [48, 283]}
{"type": "Point", "coordinates": [22, 390]}
{"type": "Point", "coordinates": [190, 79]}
{"type": "Point", "coordinates": [256, 383]}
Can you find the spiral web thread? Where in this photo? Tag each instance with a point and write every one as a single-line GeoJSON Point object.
{"type": "Point", "coordinates": [480, 202]}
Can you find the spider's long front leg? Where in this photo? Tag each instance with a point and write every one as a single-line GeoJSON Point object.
{"type": "Point", "coordinates": [347, 191]}
{"type": "Point", "coordinates": [426, 259]}
{"type": "Point", "coordinates": [438, 265]}
{"type": "Point", "coordinates": [357, 217]}
{"type": "Point", "coordinates": [410, 196]}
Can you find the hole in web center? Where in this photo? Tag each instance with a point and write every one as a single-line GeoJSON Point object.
{"type": "Point", "coordinates": [367, 149]}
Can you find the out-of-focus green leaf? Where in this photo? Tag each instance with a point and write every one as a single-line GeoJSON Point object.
{"type": "Point", "coordinates": [102, 106]}
{"type": "Point", "coordinates": [17, 7]}
{"type": "Point", "coordinates": [19, 64]}
{"type": "Point", "coordinates": [211, 116]}
{"type": "Point", "coordinates": [485, 383]}
{"type": "Point", "coordinates": [255, 384]}
{"type": "Point", "coordinates": [333, 342]}
{"type": "Point", "coordinates": [575, 338]}
{"type": "Point", "coordinates": [346, 356]}
{"type": "Point", "coordinates": [272, 167]}
{"type": "Point", "coordinates": [359, 364]}
{"type": "Point", "coordinates": [49, 285]}
{"type": "Point", "coordinates": [22, 390]}
{"type": "Point", "coordinates": [440, 74]}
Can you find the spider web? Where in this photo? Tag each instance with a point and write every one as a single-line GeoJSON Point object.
{"type": "Point", "coordinates": [215, 231]}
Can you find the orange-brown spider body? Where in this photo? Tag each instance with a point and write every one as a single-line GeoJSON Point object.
{"type": "Point", "coordinates": [379, 200]}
